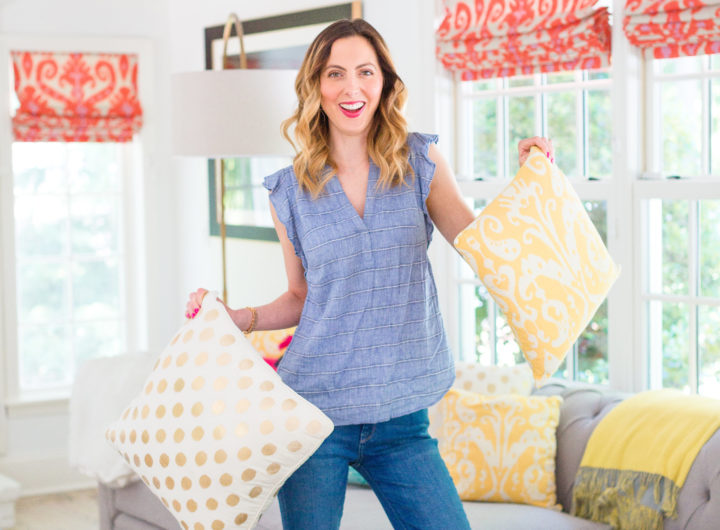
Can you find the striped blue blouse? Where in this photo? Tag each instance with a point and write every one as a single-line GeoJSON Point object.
{"type": "Point", "coordinates": [370, 344]}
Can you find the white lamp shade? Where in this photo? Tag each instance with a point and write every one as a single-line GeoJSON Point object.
{"type": "Point", "coordinates": [226, 113]}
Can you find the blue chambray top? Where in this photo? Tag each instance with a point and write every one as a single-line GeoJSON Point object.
{"type": "Point", "coordinates": [370, 344]}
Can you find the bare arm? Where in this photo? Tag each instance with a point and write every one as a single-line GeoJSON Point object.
{"type": "Point", "coordinates": [445, 203]}
{"type": "Point", "coordinates": [285, 310]}
{"type": "Point", "coordinates": [448, 210]}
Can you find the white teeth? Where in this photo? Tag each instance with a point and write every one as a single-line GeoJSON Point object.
{"type": "Point", "coordinates": [352, 106]}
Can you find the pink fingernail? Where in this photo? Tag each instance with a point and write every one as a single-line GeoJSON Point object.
{"type": "Point", "coordinates": [552, 160]}
{"type": "Point", "coordinates": [547, 154]}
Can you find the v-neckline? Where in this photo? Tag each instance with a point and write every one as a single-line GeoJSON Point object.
{"type": "Point", "coordinates": [369, 193]}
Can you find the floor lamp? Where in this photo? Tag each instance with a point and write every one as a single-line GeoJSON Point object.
{"type": "Point", "coordinates": [231, 113]}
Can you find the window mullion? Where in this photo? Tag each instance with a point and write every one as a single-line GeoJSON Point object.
{"type": "Point", "coordinates": [706, 127]}
{"type": "Point", "coordinates": [503, 131]}
{"type": "Point", "coordinates": [693, 264]}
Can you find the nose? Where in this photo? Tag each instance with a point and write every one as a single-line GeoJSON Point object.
{"type": "Point", "coordinates": [352, 86]}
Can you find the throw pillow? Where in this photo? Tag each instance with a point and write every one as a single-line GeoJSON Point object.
{"type": "Point", "coordinates": [501, 448]}
{"type": "Point", "coordinates": [540, 257]}
{"type": "Point", "coordinates": [215, 432]}
{"type": "Point", "coordinates": [494, 380]}
{"type": "Point", "coordinates": [489, 380]}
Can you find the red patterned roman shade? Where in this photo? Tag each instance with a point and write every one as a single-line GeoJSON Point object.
{"type": "Point", "coordinates": [673, 28]}
{"type": "Point", "coordinates": [503, 38]}
{"type": "Point", "coordinates": [76, 97]}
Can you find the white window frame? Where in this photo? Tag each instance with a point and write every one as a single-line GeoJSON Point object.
{"type": "Point", "coordinates": [696, 188]}
{"type": "Point", "coordinates": [627, 365]}
{"type": "Point", "coordinates": [136, 167]}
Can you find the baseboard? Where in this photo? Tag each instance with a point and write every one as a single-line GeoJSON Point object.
{"type": "Point", "coordinates": [39, 475]}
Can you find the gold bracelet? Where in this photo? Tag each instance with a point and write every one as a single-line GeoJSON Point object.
{"type": "Point", "coordinates": [253, 318]}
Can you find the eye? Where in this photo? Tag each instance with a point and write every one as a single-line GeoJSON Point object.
{"type": "Point", "coordinates": [334, 73]}
{"type": "Point", "coordinates": [367, 72]}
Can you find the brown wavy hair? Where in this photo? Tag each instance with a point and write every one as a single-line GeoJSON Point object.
{"type": "Point", "coordinates": [387, 138]}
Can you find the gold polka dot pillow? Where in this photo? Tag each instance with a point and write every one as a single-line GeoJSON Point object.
{"type": "Point", "coordinates": [501, 448]}
{"type": "Point", "coordinates": [214, 433]}
{"type": "Point", "coordinates": [540, 257]}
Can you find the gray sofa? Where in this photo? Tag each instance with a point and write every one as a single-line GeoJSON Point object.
{"type": "Point", "coordinates": [134, 507]}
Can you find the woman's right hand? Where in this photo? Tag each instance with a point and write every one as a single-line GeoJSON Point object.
{"type": "Point", "coordinates": [194, 302]}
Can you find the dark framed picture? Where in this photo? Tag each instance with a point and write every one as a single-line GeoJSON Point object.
{"type": "Point", "coordinates": [273, 42]}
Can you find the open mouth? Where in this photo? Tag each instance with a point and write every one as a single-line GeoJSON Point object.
{"type": "Point", "coordinates": [352, 109]}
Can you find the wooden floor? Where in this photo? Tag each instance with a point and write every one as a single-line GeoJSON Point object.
{"type": "Point", "coordinates": [73, 510]}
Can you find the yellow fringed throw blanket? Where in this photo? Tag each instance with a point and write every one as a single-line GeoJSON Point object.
{"type": "Point", "coordinates": [638, 457]}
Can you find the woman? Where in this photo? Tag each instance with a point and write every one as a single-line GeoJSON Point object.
{"type": "Point", "coordinates": [354, 215]}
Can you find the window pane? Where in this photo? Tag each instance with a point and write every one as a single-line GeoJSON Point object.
{"type": "Point", "coordinates": [709, 351]}
{"type": "Point", "coordinates": [521, 80]}
{"type": "Point", "coordinates": [598, 74]}
{"type": "Point", "coordinates": [40, 226]}
{"type": "Point", "coordinates": [95, 224]}
{"type": "Point", "coordinates": [675, 344]}
{"type": "Point", "coordinates": [592, 345]}
{"type": "Point", "coordinates": [597, 210]}
{"type": "Point", "coordinates": [93, 167]}
{"type": "Point", "coordinates": [679, 65]}
{"type": "Point", "coordinates": [486, 84]}
{"type": "Point", "coordinates": [562, 129]}
{"type": "Point", "coordinates": [38, 174]}
{"type": "Point", "coordinates": [592, 349]}
{"type": "Point", "coordinates": [715, 126]}
{"type": "Point", "coordinates": [45, 355]}
{"type": "Point", "coordinates": [485, 159]}
{"type": "Point", "coordinates": [521, 123]}
{"type": "Point", "coordinates": [96, 289]}
{"type": "Point", "coordinates": [98, 339]}
{"type": "Point", "coordinates": [681, 104]}
{"type": "Point", "coordinates": [42, 292]}
{"type": "Point", "coordinates": [474, 321]}
{"type": "Point", "coordinates": [508, 351]}
{"type": "Point", "coordinates": [561, 77]}
{"type": "Point", "coordinates": [710, 248]}
{"type": "Point", "coordinates": [715, 65]}
{"type": "Point", "coordinates": [668, 236]}
{"type": "Point", "coordinates": [599, 143]}
{"type": "Point", "coordinates": [463, 269]}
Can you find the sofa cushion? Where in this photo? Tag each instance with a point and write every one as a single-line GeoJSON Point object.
{"type": "Point", "coordinates": [363, 511]}
{"type": "Point", "coordinates": [582, 409]}
{"type": "Point", "coordinates": [542, 260]}
{"type": "Point", "coordinates": [501, 448]}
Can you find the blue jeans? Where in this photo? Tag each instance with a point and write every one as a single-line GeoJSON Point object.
{"type": "Point", "coordinates": [401, 463]}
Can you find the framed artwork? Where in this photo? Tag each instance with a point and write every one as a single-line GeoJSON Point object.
{"type": "Point", "coordinates": [273, 42]}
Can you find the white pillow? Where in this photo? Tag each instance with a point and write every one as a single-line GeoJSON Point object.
{"type": "Point", "coordinates": [215, 432]}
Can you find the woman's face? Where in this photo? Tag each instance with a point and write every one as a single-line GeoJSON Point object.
{"type": "Point", "coordinates": [350, 86]}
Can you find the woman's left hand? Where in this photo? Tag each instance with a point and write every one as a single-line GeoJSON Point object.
{"type": "Point", "coordinates": [545, 145]}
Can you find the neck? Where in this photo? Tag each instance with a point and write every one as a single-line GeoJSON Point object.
{"type": "Point", "coordinates": [348, 151]}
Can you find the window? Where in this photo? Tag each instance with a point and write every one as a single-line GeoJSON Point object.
{"type": "Point", "coordinates": [72, 216]}
{"type": "Point", "coordinates": [69, 258]}
{"type": "Point", "coordinates": [572, 108]}
{"type": "Point", "coordinates": [680, 207]}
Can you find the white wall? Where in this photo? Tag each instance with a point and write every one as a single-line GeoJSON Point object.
{"type": "Point", "coordinates": [180, 254]}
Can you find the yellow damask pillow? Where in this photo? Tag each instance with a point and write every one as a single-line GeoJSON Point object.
{"type": "Point", "coordinates": [542, 260]}
{"type": "Point", "coordinates": [501, 448]}
{"type": "Point", "coordinates": [215, 432]}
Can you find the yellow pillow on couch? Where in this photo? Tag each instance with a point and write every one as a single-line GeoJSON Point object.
{"type": "Point", "coordinates": [540, 257]}
{"type": "Point", "coordinates": [215, 432]}
{"type": "Point", "coordinates": [501, 448]}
